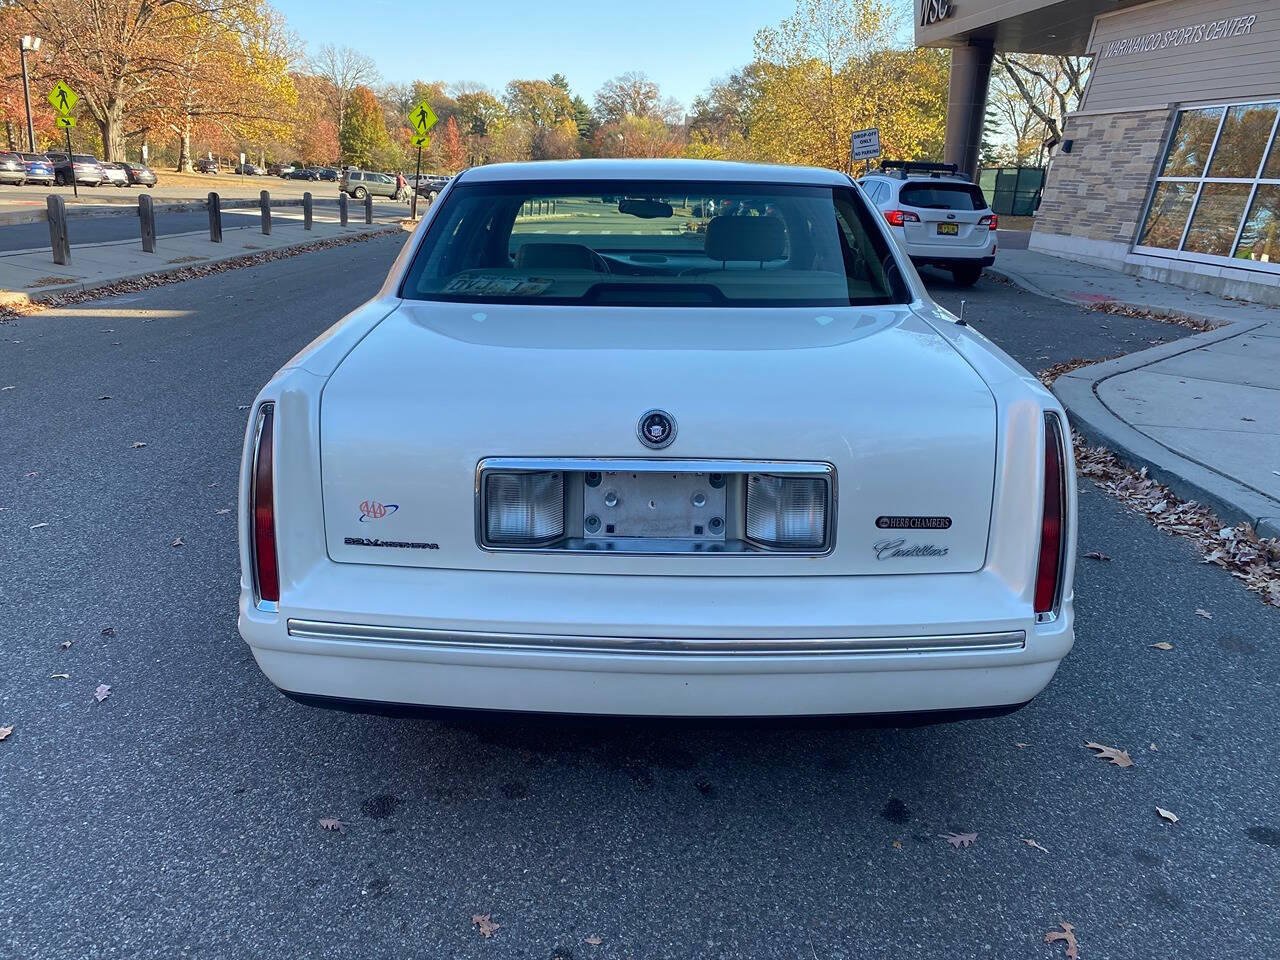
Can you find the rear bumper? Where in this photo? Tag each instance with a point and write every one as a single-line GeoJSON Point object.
{"type": "Point", "coordinates": [369, 663]}
{"type": "Point", "coordinates": [952, 260]}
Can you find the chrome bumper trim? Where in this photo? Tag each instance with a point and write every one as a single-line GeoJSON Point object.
{"type": "Point", "coordinates": [737, 646]}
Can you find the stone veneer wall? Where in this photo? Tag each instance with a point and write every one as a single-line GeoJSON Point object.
{"type": "Point", "coordinates": [1096, 193]}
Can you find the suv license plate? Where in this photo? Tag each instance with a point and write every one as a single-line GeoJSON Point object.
{"type": "Point", "coordinates": [948, 229]}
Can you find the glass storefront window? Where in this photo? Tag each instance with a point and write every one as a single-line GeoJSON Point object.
{"type": "Point", "coordinates": [1243, 140]}
{"type": "Point", "coordinates": [1168, 215]}
{"type": "Point", "coordinates": [1192, 140]}
{"type": "Point", "coordinates": [1210, 187]}
{"type": "Point", "coordinates": [1260, 239]}
{"type": "Point", "coordinates": [1213, 228]}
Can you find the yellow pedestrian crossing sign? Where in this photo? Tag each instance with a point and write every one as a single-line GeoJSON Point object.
{"type": "Point", "coordinates": [423, 118]}
{"type": "Point", "coordinates": [63, 98]}
{"type": "Point", "coordinates": [423, 141]}
{"type": "Point", "coordinates": [65, 121]}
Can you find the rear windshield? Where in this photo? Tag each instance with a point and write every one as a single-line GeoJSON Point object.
{"type": "Point", "coordinates": [645, 243]}
{"type": "Point", "coordinates": [942, 196]}
{"type": "Point", "coordinates": [84, 158]}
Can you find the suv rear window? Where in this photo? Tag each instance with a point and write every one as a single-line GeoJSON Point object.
{"type": "Point", "coordinates": [649, 243]}
{"type": "Point", "coordinates": [942, 196]}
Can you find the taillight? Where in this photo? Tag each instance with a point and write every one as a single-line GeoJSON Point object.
{"type": "Point", "coordinates": [897, 218]}
{"type": "Point", "coordinates": [991, 222]}
{"type": "Point", "coordinates": [262, 509]}
{"type": "Point", "coordinates": [1053, 522]}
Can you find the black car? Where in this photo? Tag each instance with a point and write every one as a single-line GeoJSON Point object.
{"type": "Point", "coordinates": [206, 166]}
{"type": "Point", "coordinates": [298, 173]}
{"type": "Point", "coordinates": [328, 173]}
{"type": "Point", "coordinates": [140, 175]}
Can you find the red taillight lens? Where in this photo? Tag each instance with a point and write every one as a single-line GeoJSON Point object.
{"type": "Point", "coordinates": [991, 222]}
{"type": "Point", "coordinates": [263, 511]}
{"type": "Point", "coordinates": [897, 218]}
{"type": "Point", "coordinates": [1054, 519]}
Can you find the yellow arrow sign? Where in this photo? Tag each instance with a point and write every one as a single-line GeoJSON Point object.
{"type": "Point", "coordinates": [65, 121]}
{"type": "Point", "coordinates": [423, 141]}
{"type": "Point", "coordinates": [423, 118]}
{"type": "Point", "coordinates": [63, 98]}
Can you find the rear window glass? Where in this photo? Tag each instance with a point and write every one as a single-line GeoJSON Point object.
{"type": "Point", "coordinates": [647, 243]}
{"type": "Point", "coordinates": [942, 196]}
{"type": "Point", "coordinates": [84, 158]}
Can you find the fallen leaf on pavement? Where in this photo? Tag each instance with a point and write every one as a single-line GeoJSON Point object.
{"type": "Point", "coordinates": [1022, 746]}
{"type": "Point", "coordinates": [1095, 555]}
{"type": "Point", "coordinates": [1204, 613]}
{"type": "Point", "coordinates": [959, 840]}
{"type": "Point", "coordinates": [1163, 645]}
{"type": "Point", "coordinates": [108, 631]}
{"type": "Point", "coordinates": [66, 644]}
{"type": "Point", "coordinates": [897, 844]}
{"type": "Point", "coordinates": [104, 397]}
{"type": "Point", "coordinates": [59, 676]}
{"type": "Point", "coordinates": [177, 542]}
{"type": "Point", "coordinates": [484, 923]}
{"type": "Point", "coordinates": [1154, 747]}
{"type": "Point", "coordinates": [1068, 936]}
{"type": "Point", "coordinates": [594, 941]}
{"type": "Point", "coordinates": [138, 444]}
{"type": "Point", "coordinates": [102, 692]}
{"type": "Point", "coordinates": [33, 474]}
{"type": "Point", "coordinates": [1167, 814]}
{"type": "Point", "coordinates": [332, 823]}
{"type": "Point", "coordinates": [1031, 843]}
{"type": "Point", "coordinates": [1117, 756]}
{"type": "Point", "coordinates": [5, 731]}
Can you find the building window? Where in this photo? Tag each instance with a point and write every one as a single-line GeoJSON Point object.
{"type": "Point", "coordinates": [1218, 190]}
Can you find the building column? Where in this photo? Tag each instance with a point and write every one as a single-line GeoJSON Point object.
{"type": "Point", "coordinates": [967, 103]}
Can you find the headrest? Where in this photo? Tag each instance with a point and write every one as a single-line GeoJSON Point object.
{"type": "Point", "coordinates": [745, 238]}
{"type": "Point", "coordinates": [551, 256]}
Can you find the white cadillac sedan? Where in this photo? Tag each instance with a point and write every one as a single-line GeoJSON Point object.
{"type": "Point", "coordinates": [656, 437]}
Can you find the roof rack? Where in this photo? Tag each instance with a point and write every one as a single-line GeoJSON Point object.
{"type": "Point", "coordinates": [904, 168]}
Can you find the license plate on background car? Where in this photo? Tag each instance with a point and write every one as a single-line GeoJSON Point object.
{"type": "Point", "coordinates": [949, 229]}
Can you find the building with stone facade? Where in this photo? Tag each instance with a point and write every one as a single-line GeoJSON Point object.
{"type": "Point", "coordinates": [1170, 165]}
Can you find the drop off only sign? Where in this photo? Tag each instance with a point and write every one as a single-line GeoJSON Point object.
{"type": "Point", "coordinates": [866, 143]}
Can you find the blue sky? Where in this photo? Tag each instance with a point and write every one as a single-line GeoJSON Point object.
{"type": "Point", "coordinates": [681, 44]}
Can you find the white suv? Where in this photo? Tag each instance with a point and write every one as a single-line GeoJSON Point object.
{"type": "Point", "coordinates": [940, 218]}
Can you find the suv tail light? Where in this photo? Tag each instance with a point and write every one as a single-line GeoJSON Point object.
{"type": "Point", "coordinates": [262, 510]}
{"type": "Point", "coordinates": [990, 221]}
{"type": "Point", "coordinates": [1053, 523]}
{"type": "Point", "coordinates": [897, 218]}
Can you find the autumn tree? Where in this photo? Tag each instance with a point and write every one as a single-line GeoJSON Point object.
{"type": "Point", "coordinates": [633, 94]}
{"type": "Point", "coordinates": [363, 137]}
{"type": "Point", "coordinates": [1050, 86]}
{"type": "Point", "coordinates": [451, 149]}
{"type": "Point", "coordinates": [345, 70]}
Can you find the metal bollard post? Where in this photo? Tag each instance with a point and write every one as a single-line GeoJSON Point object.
{"type": "Point", "coordinates": [306, 210]}
{"type": "Point", "coordinates": [368, 208]}
{"type": "Point", "coordinates": [264, 202]}
{"type": "Point", "coordinates": [147, 216]}
{"type": "Point", "coordinates": [215, 218]}
{"type": "Point", "coordinates": [58, 238]}
{"type": "Point", "coordinates": [342, 208]}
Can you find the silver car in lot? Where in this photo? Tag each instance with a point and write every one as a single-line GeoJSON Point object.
{"type": "Point", "coordinates": [361, 183]}
{"type": "Point", "coordinates": [114, 174]}
{"type": "Point", "coordinates": [12, 169]}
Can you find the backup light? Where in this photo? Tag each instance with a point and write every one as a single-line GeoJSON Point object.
{"type": "Point", "coordinates": [786, 512]}
{"type": "Point", "coordinates": [524, 507]}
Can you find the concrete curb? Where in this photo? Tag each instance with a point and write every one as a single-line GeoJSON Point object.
{"type": "Point", "coordinates": [1230, 499]}
{"type": "Point", "coordinates": [49, 293]}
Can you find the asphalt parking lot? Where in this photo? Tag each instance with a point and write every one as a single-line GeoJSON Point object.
{"type": "Point", "coordinates": [178, 817]}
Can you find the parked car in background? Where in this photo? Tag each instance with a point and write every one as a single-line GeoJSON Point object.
{"type": "Point", "coordinates": [140, 175]}
{"type": "Point", "coordinates": [431, 184]}
{"type": "Point", "coordinates": [676, 546]}
{"type": "Point", "coordinates": [284, 169]}
{"type": "Point", "coordinates": [80, 167]}
{"type": "Point", "coordinates": [359, 183]}
{"type": "Point", "coordinates": [206, 165]}
{"type": "Point", "coordinates": [303, 173]}
{"type": "Point", "coordinates": [39, 168]}
{"type": "Point", "coordinates": [12, 169]}
{"type": "Point", "coordinates": [328, 173]}
{"type": "Point", "coordinates": [250, 170]}
{"type": "Point", "coordinates": [115, 175]}
{"type": "Point", "coordinates": [940, 217]}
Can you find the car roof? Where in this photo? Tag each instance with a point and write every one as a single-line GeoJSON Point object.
{"type": "Point", "coordinates": [720, 171]}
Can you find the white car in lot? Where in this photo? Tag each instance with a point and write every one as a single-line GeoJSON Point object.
{"type": "Point", "coordinates": [941, 219]}
{"type": "Point", "coordinates": [592, 450]}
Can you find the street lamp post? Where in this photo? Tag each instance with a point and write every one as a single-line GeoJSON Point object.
{"type": "Point", "coordinates": [33, 44]}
